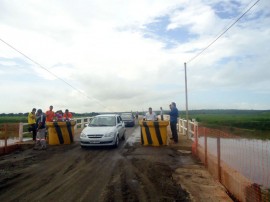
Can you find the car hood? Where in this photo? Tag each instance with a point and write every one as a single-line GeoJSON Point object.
{"type": "Point", "coordinates": [97, 130]}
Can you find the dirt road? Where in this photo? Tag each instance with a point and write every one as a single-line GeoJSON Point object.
{"type": "Point", "coordinates": [68, 173]}
{"type": "Point", "coordinates": [131, 172]}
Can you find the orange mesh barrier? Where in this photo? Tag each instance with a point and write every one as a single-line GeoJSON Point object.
{"type": "Point", "coordinates": [8, 136]}
{"type": "Point", "coordinates": [241, 165]}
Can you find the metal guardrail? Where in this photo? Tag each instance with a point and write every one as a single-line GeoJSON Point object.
{"type": "Point", "coordinates": [13, 133]}
{"type": "Point", "coordinates": [80, 124]}
{"type": "Point", "coordinates": [188, 128]}
{"type": "Point", "coordinates": [184, 127]}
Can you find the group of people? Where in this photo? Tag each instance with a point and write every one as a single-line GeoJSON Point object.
{"type": "Point", "coordinates": [58, 115]}
{"type": "Point", "coordinates": [37, 123]}
{"type": "Point", "coordinates": [151, 116]}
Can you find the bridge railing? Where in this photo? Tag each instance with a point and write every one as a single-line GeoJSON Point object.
{"type": "Point", "coordinates": [13, 133]}
{"type": "Point", "coordinates": [80, 123]}
{"type": "Point", "coordinates": [188, 128]}
{"type": "Point", "coordinates": [22, 129]}
{"type": "Point", "coordinates": [185, 127]}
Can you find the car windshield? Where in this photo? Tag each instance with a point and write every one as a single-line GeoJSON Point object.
{"type": "Point", "coordinates": [103, 121]}
{"type": "Point", "coordinates": [126, 116]}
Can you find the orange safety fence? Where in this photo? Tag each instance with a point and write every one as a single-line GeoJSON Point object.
{"type": "Point", "coordinates": [241, 165]}
{"type": "Point", "coordinates": [11, 134]}
{"type": "Point", "coordinates": [8, 137]}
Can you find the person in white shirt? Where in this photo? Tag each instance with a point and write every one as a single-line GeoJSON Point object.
{"type": "Point", "coordinates": [150, 115]}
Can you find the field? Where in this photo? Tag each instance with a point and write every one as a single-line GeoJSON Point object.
{"type": "Point", "coordinates": [246, 123]}
{"type": "Point", "coordinates": [13, 119]}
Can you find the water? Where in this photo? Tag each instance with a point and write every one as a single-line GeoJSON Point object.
{"type": "Point", "coordinates": [249, 157]}
{"type": "Point", "coordinates": [134, 137]}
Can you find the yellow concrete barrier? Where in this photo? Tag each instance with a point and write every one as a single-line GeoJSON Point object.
{"type": "Point", "coordinates": [60, 132]}
{"type": "Point", "coordinates": [154, 133]}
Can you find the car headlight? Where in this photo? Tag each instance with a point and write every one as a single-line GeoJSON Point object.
{"type": "Point", "coordinates": [111, 134]}
{"type": "Point", "coordinates": [83, 135]}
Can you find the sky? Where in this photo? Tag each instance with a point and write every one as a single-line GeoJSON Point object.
{"type": "Point", "coordinates": [125, 55]}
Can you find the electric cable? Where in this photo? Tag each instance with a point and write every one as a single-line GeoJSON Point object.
{"type": "Point", "coordinates": [220, 35]}
{"type": "Point", "coordinates": [44, 68]}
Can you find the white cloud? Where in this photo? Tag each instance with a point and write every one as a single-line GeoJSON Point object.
{"type": "Point", "coordinates": [99, 49]}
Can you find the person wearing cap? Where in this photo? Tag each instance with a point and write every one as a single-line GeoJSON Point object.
{"type": "Point", "coordinates": [41, 130]}
{"type": "Point", "coordinates": [173, 121]}
{"type": "Point", "coordinates": [67, 115]}
{"type": "Point", "coordinates": [32, 123]}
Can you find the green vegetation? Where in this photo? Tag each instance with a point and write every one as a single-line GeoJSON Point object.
{"type": "Point", "coordinates": [16, 118]}
{"type": "Point", "coordinates": [22, 117]}
{"type": "Point", "coordinates": [246, 123]}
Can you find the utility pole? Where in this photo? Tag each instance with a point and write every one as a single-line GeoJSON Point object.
{"type": "Point", "coordinates": [186, 100]}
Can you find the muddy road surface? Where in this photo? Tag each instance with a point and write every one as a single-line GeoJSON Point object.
{"type": "Point", "coordinates": [68, 173]}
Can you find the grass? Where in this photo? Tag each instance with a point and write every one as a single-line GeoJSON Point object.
{"type": "Point", "coordinates": [13, 119]}
{"type": "Point", "coordinates": [248, 124]}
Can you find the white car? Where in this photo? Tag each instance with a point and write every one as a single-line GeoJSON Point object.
{"type": "Point", "coordinates": [103, 130]}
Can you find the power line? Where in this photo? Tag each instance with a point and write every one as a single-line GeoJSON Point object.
{"type": "Point", "coordinates": [44, 68]}
{"type": "Point", "coordinates": [193, 58]}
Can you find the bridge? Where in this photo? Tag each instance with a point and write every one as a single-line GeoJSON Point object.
{"type": "Point", "coordinates": [221, 153]}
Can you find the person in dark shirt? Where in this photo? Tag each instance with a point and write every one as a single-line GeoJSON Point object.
{"type": "Point", "coordinates": [161, 114]}
{"type": "Point", "coordinates": [173, 121]}
{"type": "Point", "coordinates": [41, 130]}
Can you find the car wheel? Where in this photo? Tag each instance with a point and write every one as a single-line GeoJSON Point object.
{"type": "Point", "coordinates": [116, 144]}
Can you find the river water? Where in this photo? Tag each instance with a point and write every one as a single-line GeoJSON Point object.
{"type": "Point", "coordinates": [249, 157]}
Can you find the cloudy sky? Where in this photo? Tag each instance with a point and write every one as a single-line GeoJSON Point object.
{"type": "Point", "coordinates": [126, 55]}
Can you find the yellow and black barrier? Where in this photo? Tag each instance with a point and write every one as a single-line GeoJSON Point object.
{"type": "Point", "coordinates": [60, 132]}
{"type": "Point", "coordinates": [154, 133]}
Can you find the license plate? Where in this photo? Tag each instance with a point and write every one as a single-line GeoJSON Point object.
{"type": "Point", "coordinates": [94, 142]}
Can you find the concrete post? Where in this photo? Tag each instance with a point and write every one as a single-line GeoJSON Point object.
{"type": "Point", "coordinates": [205, 148]}
{"type": "Point", "coordinates": [218, 158]}
{"type": "Point", "coordinates": [20, 132]}
{"type": "Point", "coordinates": [5, 133]}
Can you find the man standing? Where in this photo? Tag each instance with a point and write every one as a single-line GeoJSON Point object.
{"type": "Point", "coordinates": [50, 114]}
{"type": "Point", "coordinates": [173, 121]}
{"type": "Point", "coordinates": [41, 130]}
{"type": "Point", "coordinates": [150, 115]}
{"type": "Point", "coordinates": [32, 123]}
{"type": "Point", "coordinates": [137, 115]}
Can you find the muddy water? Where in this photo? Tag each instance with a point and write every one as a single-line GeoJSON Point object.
{"type": "Point", "coordinates": [249, 157]}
